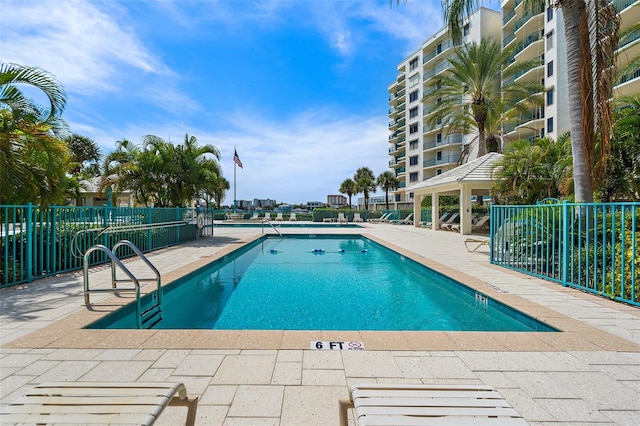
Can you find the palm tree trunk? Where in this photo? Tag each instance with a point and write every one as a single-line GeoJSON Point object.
{"type": "Point", "coordinates": [572, 11]}
{"type": "Point", "coordinates": [386, 195]}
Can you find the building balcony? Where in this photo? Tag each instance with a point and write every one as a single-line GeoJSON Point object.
{"type": "Point", "coordinates": [629, 85]}
{"type": "Point", "coordinates": [621, 5]}
{"type": "Point", "coordinates": [439, 49]}
{"type": "Point", "coordinates": [400, 171]}
{"type": "Point", "coordinates": [452, 139]}
{"type": "Point", "coordinates": [443, 160]}
{"type": "Point", "coordinates": [532, 19]}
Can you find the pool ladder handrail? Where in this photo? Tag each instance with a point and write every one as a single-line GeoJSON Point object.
{"type": "Point", "coordinates": [155, 309]}
{"type": "Point", "coordinates": [271, 225]}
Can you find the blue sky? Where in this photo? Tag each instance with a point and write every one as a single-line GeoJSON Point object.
{"type": "Point", "coordinates": [299, 87]}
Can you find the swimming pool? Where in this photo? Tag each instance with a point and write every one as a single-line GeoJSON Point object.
{"type": "Point", "coordinates": [324, 282]}
{"type": "Point", "coordinates": [287, 225]}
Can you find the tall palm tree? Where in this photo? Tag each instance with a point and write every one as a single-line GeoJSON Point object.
{"type": "Point", "coordinates": [349, 187]}
{"type": "Point", "coordinates": [33, 159]}
{"type": "Point", "coordinates": [387, 181]}
{"type": "Point", "coordinates": [365, 182]}
{"type": "Point", "coordinates": [467, 95]}
{"type": "Point", "coordinates": [591, 36]}
{"type": "Point", "coordinates": [85, 154]}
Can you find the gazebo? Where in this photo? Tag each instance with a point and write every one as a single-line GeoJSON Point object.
{"type": "Point", "coordinates": [472, 178]}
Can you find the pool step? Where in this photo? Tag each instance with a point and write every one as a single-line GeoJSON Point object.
{"type": "Point", "coordinates": [151, 316]}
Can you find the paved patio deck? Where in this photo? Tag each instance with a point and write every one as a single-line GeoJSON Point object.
{"type": "Point", "coordinates": [589, 374]}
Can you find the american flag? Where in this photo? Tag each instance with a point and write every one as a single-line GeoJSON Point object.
{"type": "Point", "coordinates": [236, 159]}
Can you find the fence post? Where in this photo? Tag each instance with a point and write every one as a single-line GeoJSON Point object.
{"type": "Point", "coordinates": [29, 235]}
{"type": "Point", "coordinates": [565, 243]}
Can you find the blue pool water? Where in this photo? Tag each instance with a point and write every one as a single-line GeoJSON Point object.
{"type": "Point", "coordinates": [325, 283]}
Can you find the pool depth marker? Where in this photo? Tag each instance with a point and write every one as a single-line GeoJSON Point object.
{"type": "Point", "coordinates": [337, 345]}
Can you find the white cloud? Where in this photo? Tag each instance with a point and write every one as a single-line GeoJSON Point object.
{"type": "Point", "coordinates": [87, 48]}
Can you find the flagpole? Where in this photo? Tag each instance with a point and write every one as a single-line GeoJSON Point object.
{"type": "Point", "coordinates": [234, 181]}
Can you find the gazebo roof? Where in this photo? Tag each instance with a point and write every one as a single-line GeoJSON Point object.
{"type": "Point", "coordinates": [477, 172]}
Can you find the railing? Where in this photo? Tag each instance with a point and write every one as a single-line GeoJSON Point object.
{"type": "Point", "coordinates": [37, 242]}
{"type": "Point", "coordinates": [591, 246]}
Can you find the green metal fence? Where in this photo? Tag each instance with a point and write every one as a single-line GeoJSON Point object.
{"type": "Point", "coordinates": [37, 242]}
{"type": "Point", "coordinates": [591, 246]}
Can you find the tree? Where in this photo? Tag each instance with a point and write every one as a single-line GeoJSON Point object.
{"type": "Point", "coordinates": [387, 181]}
{"type": "Point", "coordinates": [622, 180]}
{"type": "Point", "coordinates": [85, 154]}
{"type": "Point", "coordinates": [591, 37]}
{"type": "Point", "coordinates": [349, 187]}
{"type": "Point", "coordinates": [468, 95]}
{"type": "Point", "coordinates": [33, 158]}
{"type": "Point", "coordinates": [365, 182]}
{"type": "Point", "coordinates": [531, 172]}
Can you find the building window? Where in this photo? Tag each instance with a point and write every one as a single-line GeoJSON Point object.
{"type": "Point", "coordinates": [549, 14]}
{"type": "Point", "coordinates": [413, 144]}
{"type": "Point", "coordinates": [413, 96]}
{"type": "Point", "coordinates": [439, 49]}
{"type": "Point", "coordinates": [413, 128]}
{"type": "Point", "coordinates": [549, 68]}
{"type": "Point", "coordinates": [413, 161]}
{"type": "Point", "coordinates": [439, 156]}
{"type": "Point", "coordinates": [550, 97]}
{"type": "Point", "coordinates": [550, 125]}
{"type": "Point", "coordinates": [413, 112]}
{"type": "Point", "coordinates": [411, 195]}
{"type": "Point", "coordinates": [439, 138]}
{"type": "Point", "coordinates": [438, 172]}
{"type": "Point", "coordinates": [413, 64]}
{"type": "Point", "coordinates": [465, 30]}
{"type": "Point", "coordinates": [413, 177]}
{"type": "Point", "coordinates": [550, 40]}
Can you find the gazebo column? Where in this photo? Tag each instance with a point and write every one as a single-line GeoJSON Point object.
{"type": "Point", "coordinates": [435, 206]}
{"type": "Point", "coordinates": [417, 209]}
{"type": "Point", "coordinates": [465, 209]}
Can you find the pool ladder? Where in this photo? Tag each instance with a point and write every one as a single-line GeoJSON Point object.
{"type": "Point", "coordinates": [271, 225]}
{"type": "Point", "coordinates": [146, 318]}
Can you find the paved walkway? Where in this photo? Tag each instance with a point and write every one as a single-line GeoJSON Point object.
{"type": "Point", "coordinates": [587, 375]}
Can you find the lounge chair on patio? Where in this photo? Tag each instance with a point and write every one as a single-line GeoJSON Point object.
{"type": "Point", "coordinates": [473, 244]}
{"type": "Point", "coordinates": [256, 216]}
{"type": "Point", "coordinates": [406, 221]}
{"type": "Point", "coordinates": [85, 403]}
{"type": "Point", "coordinates": [267, 216]}
{"type": "Point", "coordinates": [292, 218]}
{"type": "Point", "coordinates": [357, 218]}
{"type": "Point", "coordinates": [440, 220]}
{"type": "Point", "coordinates": [398, 404]}
{"type": "Point", "coordinates": [450, 221]}
{"type": "Point", "coordinates": [342, 218]}
{"type": "Point", "coordinates": [279, 217]}
{"type": "Point", "coordinates": [474, 226]}
{"type": "Point", "coordinates": [382, 219]}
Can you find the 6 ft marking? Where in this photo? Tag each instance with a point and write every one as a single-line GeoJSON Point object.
{"type": "Point", "coordinates": [337, 345]}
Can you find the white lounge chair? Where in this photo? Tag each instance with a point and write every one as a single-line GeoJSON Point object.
{"type": "Point", "coordinates": [342, 218]}
{"type": "Point", "coordinates": [406, 221]}
{"type": "Point", "coordinates": [428, 224]}
{"type": "Point", "coordinates": [292, 218]}
{"type": "Point", "coordinates": [83, 403]}
{"type": "Point", "coordinates": [267, 216]}
{"type": "Point", "coordinates": [473, 244]}
{"type": "Point", "coordinates": [357, 218]}
{"type": "Point", "coordinates": [474, 226]}
{"type": "Point", "coordinates": [452, 219]}
{"type": "Point", "coordinates": [279, 217]}
{"type": "Point", "coordinates": [382, 219]}
{"type": "Point", "coordinates": [397, 404]}
{"type": "Point", "coordinates": [256, 216]}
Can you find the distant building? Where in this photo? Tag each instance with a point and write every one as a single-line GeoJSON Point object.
{"type": "Point", "coordinates": [244, 204]}
{"type": "Point", "coordinates": [376, 202]}
{"type": "Point", "coordinates": [266, 203]}
{"type": "Point", "coordinates": [336, 201]}
{"type": "Point", "coordinates": [90, 195]}
{"type": "Point", "coordinates": [315, 204]}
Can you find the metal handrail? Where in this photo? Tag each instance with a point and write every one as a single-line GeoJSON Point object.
{"type": "Point", "coordinates": [137, 251]}
{"type": "Point", "coordinates": [271, 225]}
{"type": "Point", "coordinates": [114, 261]}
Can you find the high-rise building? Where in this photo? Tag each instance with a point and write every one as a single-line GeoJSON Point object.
{"type": "Point", "coordinates": [418, 150]}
